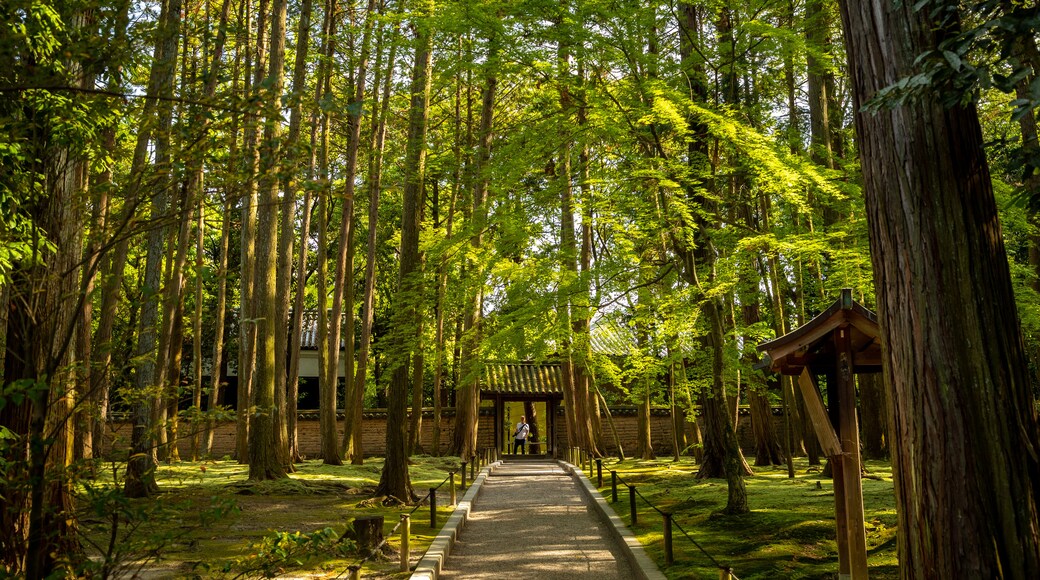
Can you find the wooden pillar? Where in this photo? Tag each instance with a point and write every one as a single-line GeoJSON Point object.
{"type": "Point", "coordinates": [837, 476]}
{"type": "Point", "coordinates": [850, 464]}
{"type": "Point", "coordinates": [550, 427]}
{"type": "Point", "coordinates": [499, 418]}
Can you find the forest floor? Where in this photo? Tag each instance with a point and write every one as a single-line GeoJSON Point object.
{"type": "Point", "coordinates": [788, 534]}
{"type": "Point", "coordinates": [209, 522]}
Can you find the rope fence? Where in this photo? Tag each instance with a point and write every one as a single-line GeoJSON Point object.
{"type": "Point", "coordinates": [476, 462]}
{"type": "Point", "coordinates": [585, 461]}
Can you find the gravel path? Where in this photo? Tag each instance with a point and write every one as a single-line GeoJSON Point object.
{"type": "Point", "coordinates": [530, 521]}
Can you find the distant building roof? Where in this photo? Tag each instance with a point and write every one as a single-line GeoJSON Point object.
{"type": "Point", "coordinates": [309, 331]}
{"type": "Point", "coordinates": [610, 337]}
{"type": "Point", "coordinates": [525, 378]}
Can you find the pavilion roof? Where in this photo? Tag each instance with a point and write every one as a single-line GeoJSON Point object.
{"type": "Point", "coordinates": [812, 345]}
{"type": "Point", "coordinates": [522, 379]}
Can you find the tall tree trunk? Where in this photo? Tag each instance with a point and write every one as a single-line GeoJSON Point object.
{"type": "Point", "coordinates": [644, 442]}
{"type": "Point", "coordinates": [394, 480]}
{"type": "Point", "coordinates": [254, 73]}
{"type": "Point", "coordinates": [196, 334]}
{"type": "Point", "coordinates": [289, 372]}
{"type": "Point", "coordinates": [440, 305]}
{"type": "Point", "coordinates": [768, 450]}
{"type": "Point", "coordinates": [962, 412]}
{"type": "Point", "coordinates": [267, 457]}
{"type": "Point", "coordinates": [873, 425]}
{"type": "Point", "coordinates": [328, 350]}
{"type": "Point", "coordinates": [140, 469]}
{"type": "Point", "coordinates": [415, 419]}
{"type": "Point", "coordinates": [575, 381]}
{"type": "Point", "coordinates": [46, 291]}
{"type": "Point", "coordinates": [468, 388]}
{"type": "Point", "coordinates": [343, 291]}
{"type": "Point", "coordinates": [171, 335]}
{"type": "Point", "coordinates": [218, 323]}
{"type": "Point", "coordinates": [352, 429]}
{"type": "Point", "coordinates": [722, 455]}
{"type": "Point", "coordinates": [287, 339]}
{"type": "Point", "coordinates": [582, 324]}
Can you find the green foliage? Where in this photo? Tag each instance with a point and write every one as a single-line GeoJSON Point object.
{"type": "Point", "coordinates": [124, 536]}
{"type": "Point", "coordinates": [279, 552]}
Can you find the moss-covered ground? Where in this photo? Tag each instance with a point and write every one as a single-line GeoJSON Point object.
{"type": "Point", "coordinates": [789, 533]}
{"type": "Point", "coordinates": [210, 522]}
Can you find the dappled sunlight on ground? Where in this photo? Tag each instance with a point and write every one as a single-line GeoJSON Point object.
{"type": "Point", "coordinates": [789, 533]}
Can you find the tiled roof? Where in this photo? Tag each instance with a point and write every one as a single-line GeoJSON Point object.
{"type": "Point", "coordinates": [612, 338]}
{"type": "Point", "coordinates": [309, 331]}
{"type": "Point", "coordinates": [525, 378]}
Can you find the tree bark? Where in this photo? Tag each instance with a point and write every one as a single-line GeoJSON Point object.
{"type": "Point", "coordinates": [288, 371]}
{"type": "Point", "coordinates": [328, 347]}
{"type": "Point", "coordinates": [140, 469]}
{"type": "Point", "coordinates": [352, 447]}
{"type": "Point", "coordinates": [394, 479]}
{"type": "Point", "coordinates": [468, 386]}
{"type": "Point", "coordinates": [267, 458]}
{"type": "Point", "coordinates": [218, 325]}
{"type": "Point", "coordinates": [962, 413]}
{"type": "Point", "coordinates": [873, 424]}
{"type": "Point", "coordinates": [254, 74]}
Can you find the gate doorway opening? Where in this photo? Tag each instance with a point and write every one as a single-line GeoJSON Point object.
{"type": "Point", "coordinates": [531, 390]}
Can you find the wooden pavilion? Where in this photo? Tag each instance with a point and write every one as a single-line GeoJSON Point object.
{"type": "Point", "coordinates": [524, 382]}
{"type": "Point", "coordinates": [840, 342]}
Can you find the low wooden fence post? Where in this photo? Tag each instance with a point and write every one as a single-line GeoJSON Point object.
{"type": "Point", "coordinates": [355, 572]}
{"type": "Point", "coordinates": [433, 507]}
{"type": "Point", "coordinates": [453, 498]}
{"type": "Point", "coordinates": [599, 472]}
{"type": "Point", "coordinates": [613, 486]}
{"type": "Point", "coordinates": [463, 484]}
{"type": "Point", "coordinates": [473, 468]}
{"type": "Point", "coordinates": [726, 573]}
{"type": "Point", "coordinates": [405, 533]}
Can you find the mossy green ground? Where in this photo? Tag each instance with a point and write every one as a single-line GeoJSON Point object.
{"type": "Point", "coordinates": [316, 497]}
{"type": "Point", "coordinates": [788, 534]}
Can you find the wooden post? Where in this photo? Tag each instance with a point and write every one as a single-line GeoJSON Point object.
{"type": "Point", "coordinates": [355, 572]}
{"type": "Point", "coordinates": [850, 463]}
{"type": "Point", "coordinates": [473, 468]}
{"type": "Point", "coordinates": [632, 503]}
{"type": "Point", "coordinates": [599, 472]}
{"type": "Point", "coordinates": [613, 486]}
{"type": "Point", "coordinates": [433, 508]}
{"type": "Point", "coordinates": [840, 521]}
{"type": "Point", "coordinates": [463, 484]}
{"type": "Point", "coordinates": [405, 532]}
{"type": "Point", "coordinates": [725, 573]}
{"type": "Point", "coordinates": [499, 422]}
{"type": "Point", "coordinates": [669, 557]}
{"type": "Point", "coordinates": [453, 495]}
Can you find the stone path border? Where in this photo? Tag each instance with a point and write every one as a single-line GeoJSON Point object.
{"type": "Point", "coordinates": [630, 546]}
{"type": "Point", "coordinates": [429, 567]}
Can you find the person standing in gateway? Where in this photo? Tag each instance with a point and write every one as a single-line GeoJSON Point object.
{"type": "Point", "coordinates": [520, 436]}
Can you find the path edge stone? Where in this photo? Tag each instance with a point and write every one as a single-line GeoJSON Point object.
{"type": "Point", "coordinates": [429, 567]}
{"type": "Point", "coordinates": [641, 564]}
